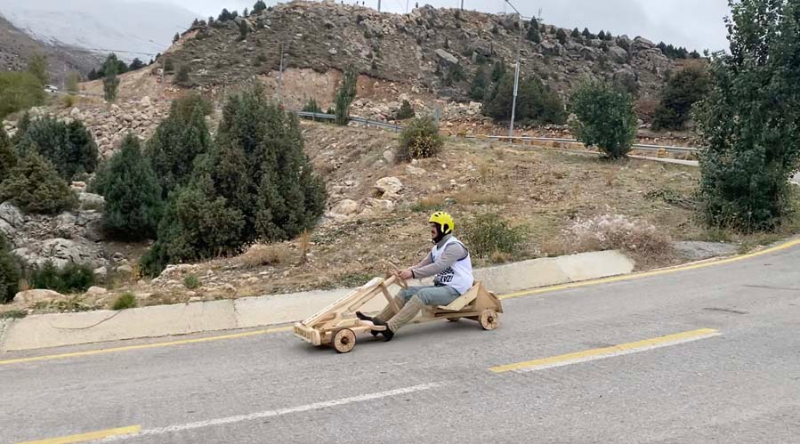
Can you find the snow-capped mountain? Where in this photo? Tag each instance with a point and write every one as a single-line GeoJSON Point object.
{"type": "Point", "coordinates": [130, 28]}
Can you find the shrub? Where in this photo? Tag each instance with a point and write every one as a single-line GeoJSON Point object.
{"type": "Point", "coordinates": [9, 272]}
{"type": "Point", "coordinates": [489, 234]}
{"type": "Point", "coordinates": [406, 111]}
{"type": "Point", "coordinates": [312, 107]}
{"type": "Point", "coordinates": [69, 147]}
{"type": "Point", "coordinates": [561, 35]}
{"type": "Point", "coordinates": [498, 71]}
{"type": "Point", "coordinates": [35, 187]}
{"type": "Point", "coordinates": [69, 101]}
{"type": "Point", "coordinates": [255, 184]}
{"type": "Point", "coordinates": [178, 140]}
{"type": "Point", "coordinates": [124, 301]}
{"type": "Point", "coordinates": [132, 193]}
{"type": "Point", "coordinates": [345, 97]}
{"type": "Point", "coordinates": [19, 91]}
{"type": "Point", "coordinates": [749, 120]}
{"type": "Point", "coordinates": [191, 282]}
{"type": "Point", "coordinates": [73, 278]}
{"type": "Point", "coordinates": [533, 32]}
{"type": "Point", "coordinates": [615, 232]}
{"type": "Point", "coordinates": [260, 255]}
{"type": "Point", "coordinates": [454, 74]}
{"type": "Point", "coordinates": [182, 78]}
{"type": "Point", "coordinates": [477, 90]}
{"type": "Point", "coordinates": [259, 6]}
{"type": "Point", "coordinates": [536, 102]}
{"type": "Point", "coordinates": [605, 118]}
{"type": "Point", "coordinates": [419, 140]}
{"type": "Point", "coordinates": [169, 66]}
{"type": "Point", "coordinates": [73, 78]}
{"type": "Point", "coordinates": [683, 90]}
{"type": "Point", "coordinates": [8, 158]}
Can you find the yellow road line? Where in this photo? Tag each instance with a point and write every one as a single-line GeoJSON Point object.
{"type": "Point", "coordinates": [145, 346]}
{"type": "Point", "coordinates": [507, 296]}
{"type": "Point", "coordinates": [607, 352]}
{"type": "Point", "coordinates": [90, 436]}
{"type": "Point", "coordinates": [629, 277]}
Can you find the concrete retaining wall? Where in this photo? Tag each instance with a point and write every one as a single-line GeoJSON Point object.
{"type": "Point", "coordinates": [54, 330]}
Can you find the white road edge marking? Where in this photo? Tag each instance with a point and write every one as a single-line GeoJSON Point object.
{"type": "Point", "coordinates": [273, 413]}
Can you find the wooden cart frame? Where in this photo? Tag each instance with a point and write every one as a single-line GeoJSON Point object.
{"type": "Point", "coordinates": [338, 326]}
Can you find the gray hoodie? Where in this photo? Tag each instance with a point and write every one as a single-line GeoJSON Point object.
{"type": "Point", "coordinates": [452, 254]}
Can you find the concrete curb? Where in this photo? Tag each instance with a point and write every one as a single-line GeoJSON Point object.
{"type": "Point", "coordinates": [56, 330]}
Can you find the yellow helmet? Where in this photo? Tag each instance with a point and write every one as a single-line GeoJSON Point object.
{"type": "Point", "coordinates": [444, 220]}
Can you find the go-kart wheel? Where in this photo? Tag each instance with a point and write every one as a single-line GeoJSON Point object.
{"type": "Point", "coordinates": [489, 319]}
{"type": "Point", "coordinates": [344, 340]}
{"type": "Point", "coordinates": [453, 319]}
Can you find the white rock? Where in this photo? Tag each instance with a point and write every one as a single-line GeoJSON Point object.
{"type": "Point", "coordinates": [101, 272]}
{"type": "Point", "coordinates": [33, 296]}
{"type": "Point", "coordinates": [389, 156]}
{"type": "Point", "coordinates": [127, 269]}
{"type": "Point", "coordinates": [75, 113]}
{"type": "Point", "coordinates": [145, 102]}
{"type": "Point", "coordinates": [414, 171]}
{"type": "Point", "coordinates": [345, 207]}
{"type": "Point", "coordinates": [389, 187]}
{"type": "Point", "coordinates": [96, 291]}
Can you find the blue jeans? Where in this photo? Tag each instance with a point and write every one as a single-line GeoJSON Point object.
{"type": "Point", "coordinates": [432, 295]}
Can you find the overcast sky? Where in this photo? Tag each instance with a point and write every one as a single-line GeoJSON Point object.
{"type": "Point", "coordinates": [695, 24]}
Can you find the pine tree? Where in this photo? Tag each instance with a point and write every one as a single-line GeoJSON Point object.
{"type": "Point", "coordinates": [576, 34]}
{"type": "Point", "coordinates": [586, 34]}
{"type": "Point", "coordinates": [110, 82]}
{"type": "Point", "coordinates": [182, 78]}
{"type": "Point", "coordinates": [477, 90]}
{"type": "Point", "coordinates": [224, 16]}
{"type": "Point", "coordinates": [259, 6]}
{"type": "Point", "coordinates": [533, 33]}
{"type": "Point", "coordinates": [561, 35]}
{"type": "Point", "coordinates": [8, 159]}
{"type": "Point", "coordinates": [176, 38]}
{"type": "Point", "coordinates": [246, 13]}
{"type": "Point", "coordinates": [136, 64]}
{"type": "Point", "coordinates": [498, 71]}
{"type": "Point", "coordinates": [605, 118]}
{"type": "Point", "coordinates": [255, 184]}
{"type": "Point", "coordinates": [70, 147]}
{"type": "Point", "coordinates": [9, 272]}
{"type": "Point", "coordinates": [178, 140]}
{"type": "Point", "coordinates": [35, 187]}
{"type": "Point", "coordinates": [345, 96]}
{"type": "Point", "coordinates": [602, 35]}
{"type": "Point", "coordinates": [133, 195]}
{"type": "Point", "coordinates": [244, 29]}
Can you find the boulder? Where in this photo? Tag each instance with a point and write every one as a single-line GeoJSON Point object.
{"type": "Point", "coordinates": [11, 214]}
{"type": "Point", "coordinates": [551, 48]}
{"type": "Point", "coordinates": [145, 102]}
{"type": "Point", "coordinates": [75, 113]}
{"type": "Point", "coordinates": [509, 21]}
{"type": "Point", "coordinates": [377, 206]}
{"type": "Point", "coordinates": [618, 55]}
{"type": "Point", "coordinates": [61, 252]}
{"type": "Point", "coordinates": [33, 296]}
{"type": "Point", "coordinates": [346, 207]}
{"type": "Point", "coordinates": [388, 187]}
{"type": "Point", "coordinates": [90, 201]}
{"type": "Point", "coordinates": [101, 272]}
{"type": "Point", "coordinates": [641, 44]}
{"type": "Point", "coordinates": [96, 291]}
{"type": "Point", "coordinates": [446, 57]}
{"type": "Point", "coordinates": [125, 269]}
{"type": "Point", "coordinates": [481, 46]}
{"type": "Point", "coordinates": [388, 155]}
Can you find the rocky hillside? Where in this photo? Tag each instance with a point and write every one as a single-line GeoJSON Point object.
{"type": "Point", "coordinates": [411, 49]}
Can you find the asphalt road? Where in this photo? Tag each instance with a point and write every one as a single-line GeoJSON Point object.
{"type": "Point", "coordinates": [732, 375]}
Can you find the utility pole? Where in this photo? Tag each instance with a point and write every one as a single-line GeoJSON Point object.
{"type": "Point", "coordinates": [379, 5]}
{"type": "Point", "coordinates": [516, 72]}
{"type": "Point", "coordinates": [462, 5]}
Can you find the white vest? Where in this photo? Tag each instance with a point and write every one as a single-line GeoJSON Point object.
{"type": "Point", "coordinates": [458, 275]}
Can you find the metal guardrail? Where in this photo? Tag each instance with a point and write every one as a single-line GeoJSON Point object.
{"type": "Point", "coordinates": [397, 128]}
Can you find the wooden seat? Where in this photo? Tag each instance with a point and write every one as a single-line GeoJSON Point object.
{"type": "Point", "coordinates": [464, 300]}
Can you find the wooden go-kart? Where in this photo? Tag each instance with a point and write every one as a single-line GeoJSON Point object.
{"type": "Point", "coordinates": [338, 326]}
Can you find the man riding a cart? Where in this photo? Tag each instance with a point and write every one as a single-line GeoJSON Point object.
{"type": "Point", "coordinates": [450, 264]}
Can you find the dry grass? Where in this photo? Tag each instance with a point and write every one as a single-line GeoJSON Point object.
{"type": "Point", "coordinates": [305, 246]}
{"type": "Point", "coordinates": [260, 255]}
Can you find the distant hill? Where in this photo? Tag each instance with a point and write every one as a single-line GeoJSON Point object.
{"type": "Point", "coordinates": [129, 28]}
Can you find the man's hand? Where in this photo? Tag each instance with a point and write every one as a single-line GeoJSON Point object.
{"type": "Point", "coordinates": [406, 274]}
